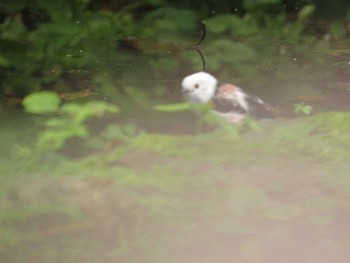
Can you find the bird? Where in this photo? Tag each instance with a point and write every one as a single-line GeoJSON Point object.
{"type": "Point", "coordinates": [230, 102]}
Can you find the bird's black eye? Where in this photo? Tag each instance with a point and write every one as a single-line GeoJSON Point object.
{"type": "Point", "coordinates": [196, 86]}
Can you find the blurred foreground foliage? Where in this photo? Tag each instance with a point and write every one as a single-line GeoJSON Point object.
{"type": "Point", "coordinates": [64, 123]}
{"type": "Point", "coordinates": [257, 189]}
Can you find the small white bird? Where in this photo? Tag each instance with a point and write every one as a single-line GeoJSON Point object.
{"type": "Point", "coordinates": [229, 101]}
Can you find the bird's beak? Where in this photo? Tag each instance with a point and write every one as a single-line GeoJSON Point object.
{"type": "Point", "coordinates": [185, 91]}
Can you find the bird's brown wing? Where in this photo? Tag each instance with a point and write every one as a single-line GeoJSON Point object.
{"type": "Point", "coordinates": [230, 98]}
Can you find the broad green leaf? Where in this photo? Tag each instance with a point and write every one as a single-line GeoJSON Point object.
{"type": "Point", "coordinates": [42, 102]}
{"type": "Point", "coordinates": [306, 12]}
{"type": "Point", "coordinates": [81, 112]}
{"type": "Point", "coordinates": [173, 107]}
{"type": "Point", "coordinates": [56, 122]}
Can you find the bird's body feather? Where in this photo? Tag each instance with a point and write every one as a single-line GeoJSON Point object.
{"type": "Point", "coordinates": [229, 101]}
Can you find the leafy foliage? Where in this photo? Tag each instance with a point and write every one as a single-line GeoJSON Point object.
{"type": "Point", "coordinates": [42, 102]}
{"type": "Point", "coordinates": [67, 39]}
{"type": "Point", "coordinates": [45, 45]}
{"type": "Point", "coordinates": [70, 122]}
{"type": "Point", "coordinates": [173, 107]}
{"type": "Point", "coordinates": [78, 44]}
{"type": "Point", "coordinates": [302, 109]}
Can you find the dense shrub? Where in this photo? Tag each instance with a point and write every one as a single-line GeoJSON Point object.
{"type": "Point", "coordinates": [50, 45]}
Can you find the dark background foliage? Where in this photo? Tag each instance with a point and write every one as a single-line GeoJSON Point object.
{"type": "Point", "coordinates": [66, 45]}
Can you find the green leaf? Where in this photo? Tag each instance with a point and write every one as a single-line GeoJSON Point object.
{"type": "Point", "coordinates": [42, 102]}
{"type": "Point", "coordinates": [173, 107]}
{"type": "Point", "coordinates": [81, 112]}
{"type": "Point", "coordinates": [56, 122]}
{"type": "Point", "coordinates": [302, 109]}
{"type": "Point", "coordinates": [306, 12]}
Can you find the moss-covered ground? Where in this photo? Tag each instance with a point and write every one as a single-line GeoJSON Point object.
{"type": "Point", "coordinates": [277, 193]}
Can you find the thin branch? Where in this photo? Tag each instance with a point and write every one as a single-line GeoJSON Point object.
{"type": "Point", "coordinates": [197, 47]}
{"type": "Point", "coordinates": [204, 33]}
{"type": "Point", "coordinates": [202, 58]}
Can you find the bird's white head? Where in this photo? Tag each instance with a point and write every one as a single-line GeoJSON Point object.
{"type": "Point", "coordinates": [199, 87]}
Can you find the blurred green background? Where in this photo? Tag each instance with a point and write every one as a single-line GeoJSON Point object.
{"type": "Point", "coordinates": [100, 162]}
{"type": "Point", "coordinates": [130, 49]}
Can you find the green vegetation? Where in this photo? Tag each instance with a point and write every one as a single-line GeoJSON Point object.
{"type": "Point", "coordinates": [81, 44]}
{"type": "Point", "coordinates": [102, 161]}
{"type": "Point", "coordinates": [152, 188]}
{"type": "Point", "coordinates": [302, 109]}
{"type": "Point", "coordinates": [70, 123]}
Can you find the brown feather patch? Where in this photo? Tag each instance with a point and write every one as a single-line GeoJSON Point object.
{"type": "Point", "coordinates": [227, 91]}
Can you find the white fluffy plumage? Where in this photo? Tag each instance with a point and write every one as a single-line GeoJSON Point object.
{"type": "Point", "coordinates": [230, 102]}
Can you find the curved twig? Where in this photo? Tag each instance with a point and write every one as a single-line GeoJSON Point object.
{"type": "Point", "coordinates": [202, 58]}
{"type": "Point", "coordinates": [204, 33]}
{"type": "Point", "coordinates": [197, 47]}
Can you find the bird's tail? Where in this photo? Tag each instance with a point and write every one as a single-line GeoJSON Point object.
{"type": "Point", "coordinates": [262, 108]}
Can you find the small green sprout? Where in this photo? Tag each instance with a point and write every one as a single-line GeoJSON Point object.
{"type": "Point", "coordinates": [302, 109]}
